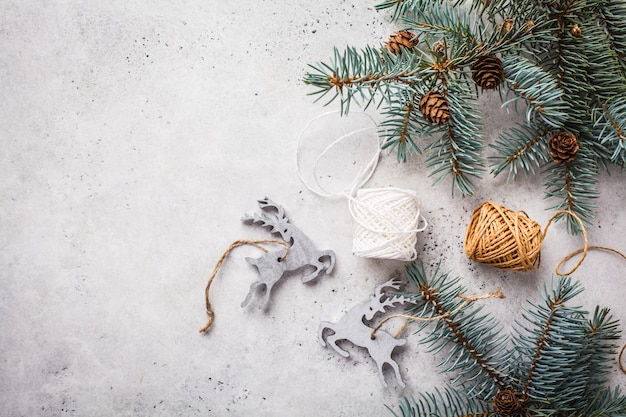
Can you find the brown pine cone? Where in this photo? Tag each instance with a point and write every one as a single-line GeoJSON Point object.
{"type": "Point", "coordinates": [488, 72]}
{"type": "Point", "coordinates": [440, 48]}
{"type": "Point", "coordinates": [563, 147]}
{"type": "Point", "coordinates": [508, 25]}
{"type": "Point", "coordinates": [399, 39]}
{"type": "Point", "coordinates": [434, 106]}
{"type": "Point", "coordinates": [506, 403]}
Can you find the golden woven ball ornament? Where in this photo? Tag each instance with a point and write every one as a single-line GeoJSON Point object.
{"type": "Point", "coordinates": [503, 238]}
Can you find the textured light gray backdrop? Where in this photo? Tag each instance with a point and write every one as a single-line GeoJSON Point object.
{"type": "Point", "coordinates": [134, 135]}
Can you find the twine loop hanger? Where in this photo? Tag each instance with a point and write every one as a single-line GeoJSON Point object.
{"type": "Point", "coordinates": [257, 244]}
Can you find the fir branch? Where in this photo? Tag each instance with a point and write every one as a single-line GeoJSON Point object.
{"type": "Point", "coordinates": [597, 352]}
{"type": "Point", "coordinates": [613, 15]}
{"type": "Point", "coordinates": [359, 75]}
{"type": "Point", "coordinates": [448, 403]}
{"type": "Point", "coordinates": [564, 58]}
{"type": "Point", "coordinates": [443, 20]}
{"type": "Point", "coordinates": [558, 364]}
{"type": "Point", "coordinates": [504, 41]}
{"type": "Point", "coordinates": [592, 354]}
{"type": "Point", "coordinates": [457, 151]}
{"type": "Point", "coordinates": [604, 402]}
{"type": "Point", "coordinates": [573, 184]}
{"type": "Point", "coordinates": [572, 74]}
{"type": "Point", "coordinates": [477, 350]}
{"type": "Point", "coordinates": [554, 352]}
{"type": "Point", "coordinates": [613, 131]}
{"type": "Point", "coordinates": [606, 72]}
{"type": "Point", "coordinates": [539, 89]}
{"type": "Point", "coordinates": [403, 8]}
{"type": "Point", "coordinates": [520, 149]}
{"type": "Point", "coordinates": [403, 126]}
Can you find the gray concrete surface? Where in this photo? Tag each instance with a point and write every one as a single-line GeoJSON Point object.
{"type": "Point", "coordinates": [134, 135]}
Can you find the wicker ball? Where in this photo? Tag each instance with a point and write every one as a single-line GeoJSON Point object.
{"type": "Point", "coordinates": [503, 238]}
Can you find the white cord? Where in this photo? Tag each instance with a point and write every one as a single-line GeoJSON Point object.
{"type": "Point", "coordinates": [362, 177]}
{"type": "Point", "coordinates": [387, 220]}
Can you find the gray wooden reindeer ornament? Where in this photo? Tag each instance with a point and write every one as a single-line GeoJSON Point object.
{"type": "Point", "coordinates": [352, 328]}
{"type": "Point", "coordinates": [302, 254]}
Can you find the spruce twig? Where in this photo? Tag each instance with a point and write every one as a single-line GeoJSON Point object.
{"type": "Point", "coordinates": [565, 58]}
{"type": "Point", "coordinates": [555, 364]}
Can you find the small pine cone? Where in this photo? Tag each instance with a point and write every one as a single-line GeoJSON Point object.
{"type": "Point", "coordinates": [576, 31]}
{"type": "Point", "coordinates": [563, 147]}
{"type": "Point", "coordinates": [506, 403]}
{"type": "Point", "coordinates": [434, 107]}
{"type": "Point", "coordinates": [399, 39]}
{"type": "Point", "coordinates": [440, 48]}
{"type": "Point", "coordinates": [488, 72]}
{"type": "Point", "coordinates": [508, 25]}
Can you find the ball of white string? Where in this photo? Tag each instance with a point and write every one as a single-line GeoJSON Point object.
{"type": "Point", "coordinates": [387, 221]}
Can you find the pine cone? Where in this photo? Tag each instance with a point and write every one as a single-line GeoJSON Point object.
{"type": "Point", "coordinates": [488, 72]}
{"type": "Point", "coordinates": [506, 403]}
{"type": "Point", "coordinates": [563, 147]}
{"type": "Point", "coordinates": [399, 39]}
{"type": "Point", "coordinates": [508, 25]}
{"type": "Point", "coordinates": [434, 107]}
{"type": "Point", "coordinates": [440, 48]}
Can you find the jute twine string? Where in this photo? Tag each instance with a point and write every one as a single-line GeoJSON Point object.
{"type": "Point", "coordinates": [619, 359]}
{"type": "Point", "coordinates": [511, 240]}
{"type": "Point", "coordinates": [218, 265]}
{"type": "Point", "coordinates": [467, 299]}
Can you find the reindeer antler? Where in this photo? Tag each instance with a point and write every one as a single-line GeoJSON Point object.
{"type": "Point", "coordinates": [262, 219]}
{"type": "Point", "coordinates": [280, 211]}
{"type": "Point", "coordinates": [274, 220]}
{"type": "Point", "coordinates": [389, 301]}
{"type": "Point", "coordinates": [392, 283]}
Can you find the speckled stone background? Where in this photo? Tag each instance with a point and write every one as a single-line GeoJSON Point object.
{"type": "Point", "coordinates": [134, 135]}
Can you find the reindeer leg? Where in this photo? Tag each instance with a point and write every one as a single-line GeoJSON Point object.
{"type": "Point", "coordinates": [332, 341]}
{"type": "Point", "coordinates": [331, 260]}
{"type": "Point", "coordinates": [266, 296]}
{"type": "Point", "coordinates": [396, 370]}
{"type": "Point", "coordinates": [318, 267]}
{"type": "Point", "coordinates": [320, 331]}
{"type": "Point", "coordinates": [381, 376]}
{"type": "Point", "coordinates": [394, 364]}
{"type": "Point", "coordinates": [253, 288]}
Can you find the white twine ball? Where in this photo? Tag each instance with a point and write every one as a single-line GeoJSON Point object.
{"type": "Point", "coordinates": [387, 219]}
{"type": "Point", "coordinates": [387, 222]}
